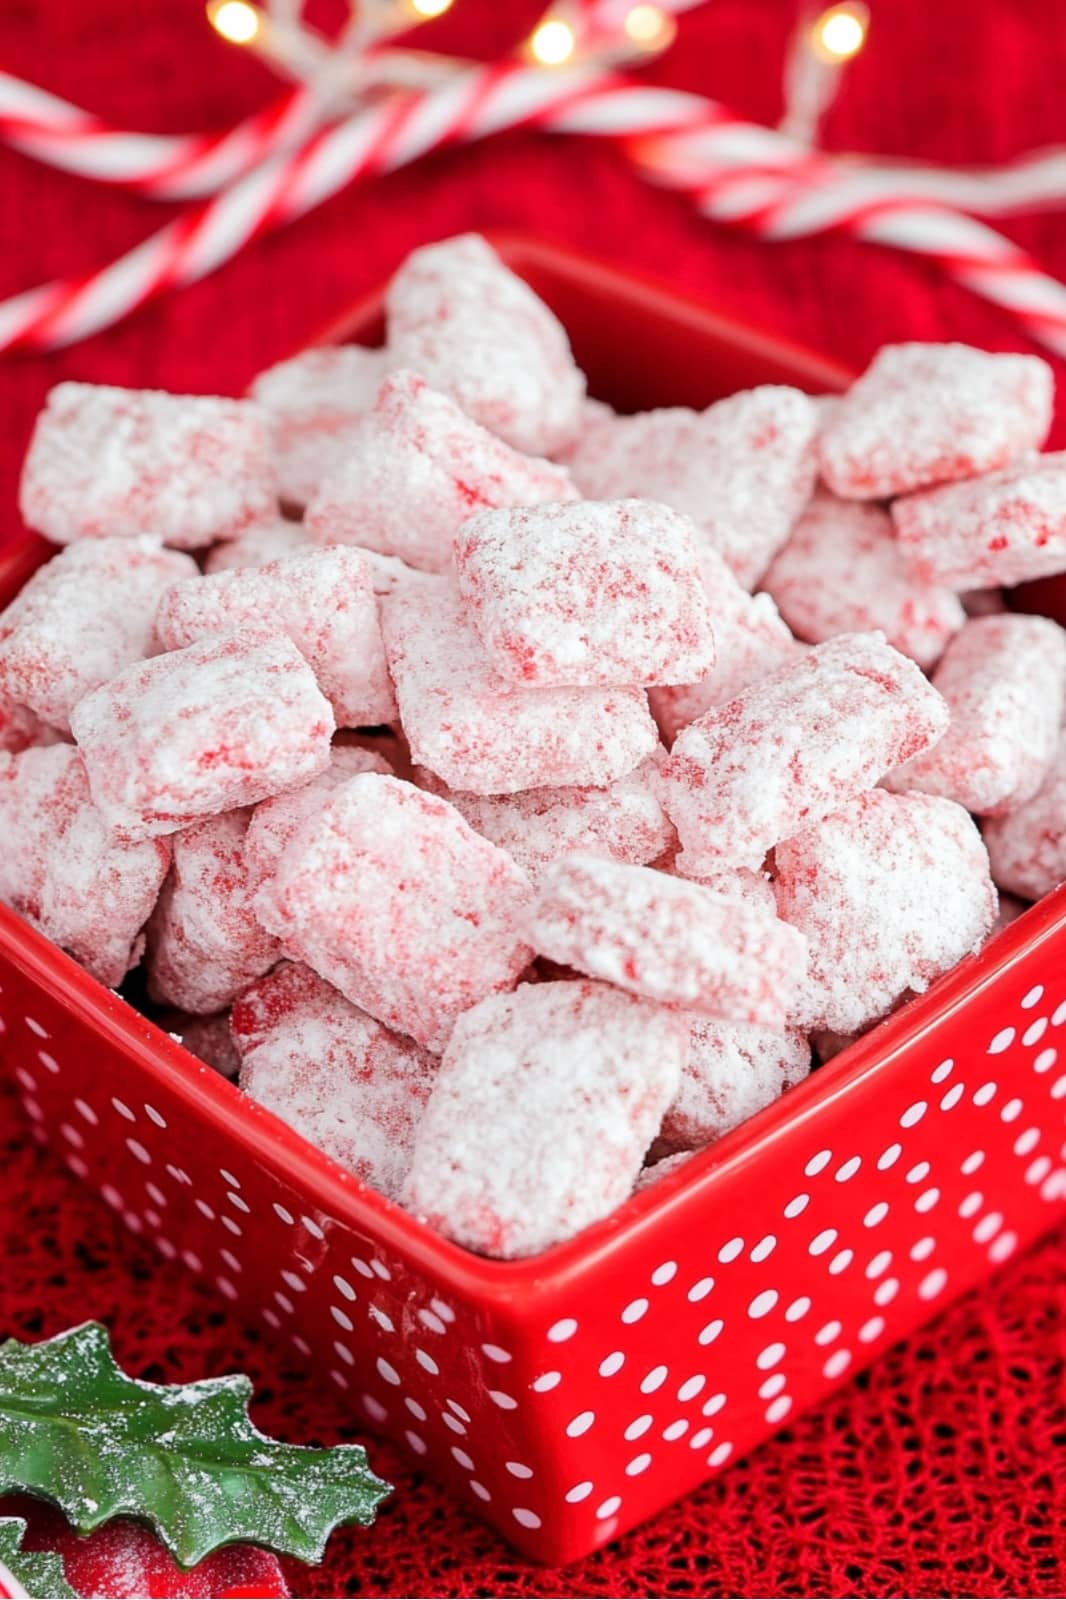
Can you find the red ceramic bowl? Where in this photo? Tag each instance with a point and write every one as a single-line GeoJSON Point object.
{"type": "Point", "coordinates": [568, 1397]}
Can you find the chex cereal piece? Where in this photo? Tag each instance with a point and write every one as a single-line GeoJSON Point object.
{"type": "Point", "coordinates": [751, 640]}
{"type": "Point", "coordinates": [475, 331]}
{"type": "Point", "coordinates": [729, 883]}
{"type": "Point", "coordinates": [204, 942]}
{"type": "Point", "coordinates": [1027, 847]}
{"type": "Point", "coordinates": [667, 939]}
{"type": "Point", "coordinates": [544, 1105]}
{"type": "Point", "coordinates": [931, 413]}
{"type": "Point", "coordinates": [276, 821]}
{"type": "Point", "coordinates": [216, 726]}
{"type": "Point", "coordinates": [598, 593]}
{"type": "Point", "coordinates": [268, 542]}
{"type": "Point", "coordinates": [314, 400]}
{"type": "Point", "coordinates": [842, 572]}
{"type": "Point", "coordinates": [107, 462]}
{"type": "Point", "coordinates": [207, 1038]}
{"type": "Point", "coordinates": [734, 1069]}
{"type": "Point", "coordinates": [742, 470]}
{"type": "Point", "coordinates": [1004, 680]}
{"type": "Point", "coordinates": [414, 469]}
{"type": "Point", "coordinates": [1004, 528]}
{"type": "Point", "coordinates": [794, 747]}
{"type": "Point", "coordinates": [352, 1087]}
{"type": "Point", "coordinates": [82, 617]}
{"type": "Point", "coordinates": [624, 822]}
{"type": "Point", "coordinates": [323, 601]}
{"type": "Point", "coordinates": [393, 898]}
{"type": "Point", "coordinates": [64, 870]}
{"type": "Point", "coordinates": [890, 892]}
{"type": "Point", "coordinates": [480, 733]}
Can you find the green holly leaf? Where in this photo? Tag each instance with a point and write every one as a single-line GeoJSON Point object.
{"type": "Point", "coordinates": [39, 1572]}
{"type": "Point", "coordinates": [184, 1458]}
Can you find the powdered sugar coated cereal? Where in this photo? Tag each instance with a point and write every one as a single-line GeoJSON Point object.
{"type": "Point", "coordinates": [392, 897]}
{"type": "Point", "coordinates": [793, 747]}
{"type": "Point", "coordinates": [106, 462]}
{"type": "Point", "coordinates": [1027, 847]}
{"type": "Point", "coordinates": [314, 400]}
{"type": "Point", "coordinates": [1004, 681]}
{"type": "Point", "coordinates": [930, 413]}
{"type": "Point", "coordinates": [211, 728]}
{"type": "Point", "coordinates": [734, 1069]}
{"type": "Point", "coordinates": [268, 542]}
{"type": "Point", "coordinates": [545, 1104]}
{"type": "Point", "coordinates": [275, 822]}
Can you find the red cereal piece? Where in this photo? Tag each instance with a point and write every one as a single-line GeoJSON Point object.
{"type": "Point", "coordinates": [353, 1088]}
{"type": "Point", "coordinates": [106, 462]}
{"type": "Point", "coordinates": [930, 413]}
{"type": "Point", "coordinates": [414, 469]}
{"type": "Point", "coordinates": [323, 601]}
{"type": "Point", "coordinates": [81, 618]}
{"type": "Point", "coordinates": [742, 470]}
{"type": "Point", "coordinates": [733, 1070]}
{"type": "Point", "coordinates": [591, 594]}
{"type": "Point", "coordinates": [388, 894]}
{"type": "Point", "coordinates": [275, 822]}
{"type": "Point", "coordinates": [890, 891]}
{"type": "Point", "coordinates": [207, 1038]}
{"type": "Point", "coordinates": [751, 641]}
{"type": "Point", "coordinates": [475, 331]}
{"type": "Point", "coordinates": [623, 822]}
{"type": "Point", "coordinates": [204, 942]}
{"type": "Point", "coordinates": [545, 1104]}
{"type": "Point", "coordinates": [1004, 528]}
{"type": "Point", "coordinates": [794, 747]}
{"type": "Point", "coordinates": [255, 548]}
{"type": "Point", "coordinates": [842, 572]}
{"type": "Point", "coordinates": [314, 401]}
{"type": "Point", "coordinates": [1028, 846]}
{"type": "Point", "coordinates": [64, 870]}
{"type": "Point", "coordinates": [211, 728]}
{"type": "Point", "coordinates": [485, 735]}
{"type": "Point", "coordinates": [1004, 681]}
{"type": "Point", "coordinates": [667, 939]}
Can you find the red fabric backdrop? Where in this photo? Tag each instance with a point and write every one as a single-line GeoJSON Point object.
{"type": "Point", "coordinates": [942, 1471]}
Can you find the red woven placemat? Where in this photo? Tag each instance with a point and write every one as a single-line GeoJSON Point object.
{"type": "Point", "coordinates": [943, 1470]}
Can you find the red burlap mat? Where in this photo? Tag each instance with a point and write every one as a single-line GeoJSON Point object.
{"type": "Point", "coordinates": [943, 1471]}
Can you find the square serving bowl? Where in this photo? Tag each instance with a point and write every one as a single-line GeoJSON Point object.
{"type": "Point", "coordinates": [570, 1396]}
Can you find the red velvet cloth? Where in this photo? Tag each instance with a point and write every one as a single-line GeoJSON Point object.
{"type": "Point", "coordinates": [942, 1471]}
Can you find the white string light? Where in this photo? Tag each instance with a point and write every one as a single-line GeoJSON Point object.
{"type": "Point", "coordinates": [820, 49]}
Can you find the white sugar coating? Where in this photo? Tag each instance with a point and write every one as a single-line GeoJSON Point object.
{"type": "Point", "coordinates": [742, 470]}
{"type": "Point", "coordinates": [273, 539]}
{"type": "Point", "coordinates": [890, 892]}
{"type": "Point", "coordinates": [323, 600]}
{"type": "Point", "coordinates": [476, 331]}
{"type": "Point", "coordinates": [751, 640]}
{"type": "Point", "coordinates": [734, 1069]}
{"type": "Point", "coordinates": [353, 1088]}
{"type": "Point", "coordinates": [545, 1104]}
{"type": "Point", "coordinates": [1004, 681]}
{"type": "Point", "coordinates": [204, 942]}
{"type": "Point", "coordinates": [667, 939]}
{"type": "Point", "coordinates": [219, 725]}
{"type": "Point", "coordinates": [274, 822]}
{"type": "Point", "coordinates": [730, 883]}
{"type": "Point", "coordinates": [1027, 848]}
{"type": "Point", "coordinates": [842, 572]}
{"type": "Point", "coordinates": [314, 399]}
{"type": "Point", "coordinates": [1004, 528]}
{"type": "Point", "coordinates": [601, 593]}
{"type": "Point", "coordinates": [107, 462]}
{"type": "Point", "coordinates": [414, 469]}
{"type": "Point", "coordinates": [482, 734]}
{"type": "Point", "coordinates": [392, 897]}
{"type": "Point", "coordinates": [81, 618]}
{"type": "Point", "coordinates": [795, 746]}
{"type": "Point", "coordinates": [207, 1038]}
{"type": "Point", "coordinates": [649, 1175]}
{"type": "Point", "coordinates": [63, 869]}
{"type": "Point", "coordinates": [624, 821]}
{"type": "Point", "coordinates": [931, 413]}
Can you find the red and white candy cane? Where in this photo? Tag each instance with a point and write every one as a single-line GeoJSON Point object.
{"type": "Point", "coordinates": [734, 171]}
